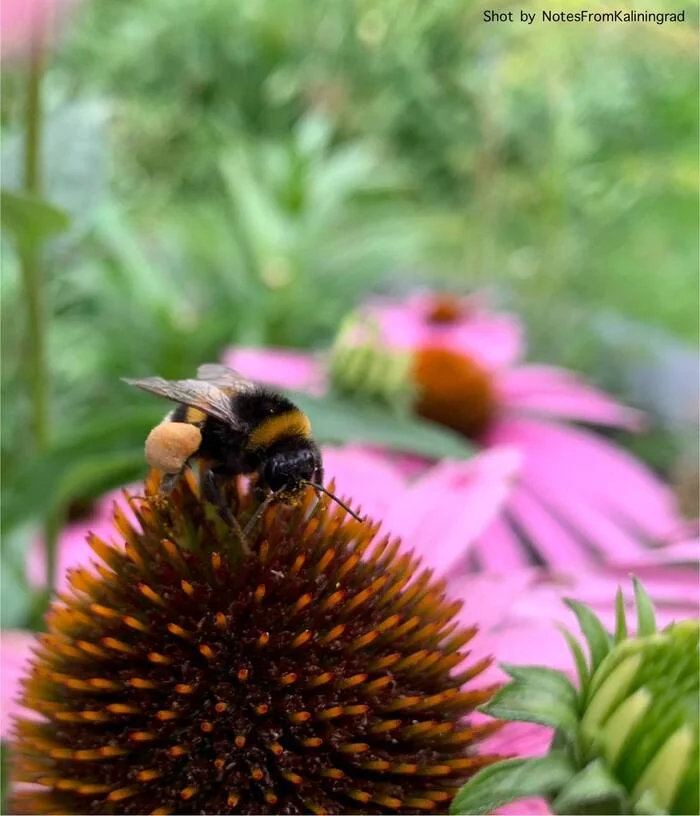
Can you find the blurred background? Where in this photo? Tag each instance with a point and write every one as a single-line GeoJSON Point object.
{"type": "Point", "coordinates": [216, 173]}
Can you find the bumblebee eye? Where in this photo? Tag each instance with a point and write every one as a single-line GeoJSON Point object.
{"type": "Point", "coordinates": [275, 473]}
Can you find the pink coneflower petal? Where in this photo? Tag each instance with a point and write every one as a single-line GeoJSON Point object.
{"type": "Point", "coordinates": [682, 551]}
{"type": "Point", "coordinates": [488, 596]}
{"type": "Point", "coordinates": [73, 548]}
{"type": "Point", "coordinates": [364, 477]}
{"type": "Point", "coordinates": [518, 739]}
{"type": "Point", "coordinates": [524, 807]}
{"type": "Point", "coordinates": [550, 390]}
{"type": "Point", "coordinates": [492, 339]}
{"type": "Point", "coordinates": [500, 549]}
{"type": "Point", "coordinates": [597, 487]}
{"type": "Point", "coordinates": [554, 544]}
{"type": "Point", "coordinates": [283, 368]}
{"type": "Point", "coordinates": [15, 651]}
{"type": "Point", "coordinates": [496, 341]}
{"type": "Point", "coordinates": [453, 504]}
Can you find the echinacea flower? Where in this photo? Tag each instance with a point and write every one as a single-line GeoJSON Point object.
{"type": "Point", "coordinates": [517, 613]}
{"type": "Point", "coordinates": [627, 739]}
{"type": "Point", "coordinates": [321, 672]}
{"type": "Point", "coordinates": [580, 501]}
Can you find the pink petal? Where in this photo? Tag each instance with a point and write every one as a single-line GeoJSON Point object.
{"type": "Point", "coordinates": [599, 488]}
{"type": "Point", "coordinates": [73, 548]}
{"type": "Point", "coordinates": [517, 739]}
{"type": "Point", "coordinates": [494, 339]}
{"type": "Point", "coordinates": [363, 477]}
{"type": "Point", "coordinates": [525, 807]}
{"type": "Point", "coordinates": [73, 551]}
{"type": "Point", "coordinates": [442, 513]}
{"type": "Point", "coordinates": [488, 596]}
{"type": "Point", "coordinates": [277, 367]}
{"type": "Point", "coordinates": [15, 651]}
{"type": "Point", "coordinates": [550, 390]}
{"type": "Point", "coordinates": [555, 545]}
{"type": "Point", "coordinates": [499, 548]}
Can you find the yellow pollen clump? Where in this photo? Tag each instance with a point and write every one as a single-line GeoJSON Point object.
{"type": "Point", "coordinates": [170, 444]}
{"type": "Point", "coordinates": [454, 391]}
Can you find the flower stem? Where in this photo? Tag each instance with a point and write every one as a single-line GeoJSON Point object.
{"type": "Point", "coordinates": [31, 271]}
{"type": "Point", "coordinates": [33, 283]}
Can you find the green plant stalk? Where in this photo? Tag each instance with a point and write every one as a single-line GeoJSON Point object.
{"type": "Point", "coordinates": [31, 271]}
{"type": "Point", "coordinates": [33, 284]}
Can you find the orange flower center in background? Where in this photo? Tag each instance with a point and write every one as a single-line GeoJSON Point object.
{"type": "Point", "coordinates": [454, 391]}
{"type": "Point", "coordinates": [445, 309]}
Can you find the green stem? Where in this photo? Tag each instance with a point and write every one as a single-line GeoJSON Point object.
{"type": "Point", "coordinates": [33, 285]}
{"type": "Point", "coordinates": [31, 270]}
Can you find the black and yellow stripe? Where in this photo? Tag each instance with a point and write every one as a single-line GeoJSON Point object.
{"type": "Point", "coordinates": [290, 424]}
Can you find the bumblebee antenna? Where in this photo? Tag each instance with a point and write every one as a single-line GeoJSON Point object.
{"type": "Point", "coordinates": [334, 497]}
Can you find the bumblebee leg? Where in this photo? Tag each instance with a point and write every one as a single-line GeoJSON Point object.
{"type": "Point", "coordinates": [259, 512]}
{"type": "Point", "coordinates": [211, 483]}
{"type": "Point", "coordinates": [168, 482]}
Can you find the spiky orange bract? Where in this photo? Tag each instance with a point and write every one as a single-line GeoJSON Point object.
{"type": "Point", "coordinates": [454, 390]}
{"type": "Point", "coordinates": [322, 673]}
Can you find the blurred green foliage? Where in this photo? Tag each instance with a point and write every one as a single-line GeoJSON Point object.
{"type": "Point", "coordinates": [246, 172]}
{"type": "Point", "coordinates": [569, 153]}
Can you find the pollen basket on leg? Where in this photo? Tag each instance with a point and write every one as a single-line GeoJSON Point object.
{"type": "Point", "coordinates": [316, 674]}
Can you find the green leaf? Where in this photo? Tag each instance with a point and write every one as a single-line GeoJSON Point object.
{"type": "Point", "coordinates": [579, 659]}
{"type": "Point", "coordinates": [337, 421]}
{"type": "Point", "coordinates": [104, 449]}
{"type": "Point", "coordinates": [538, 695]}
{"type": "Point", "coordinates": [593, 786]}
{"type": "Point", "coordinates": [597, 638]}
{"type": "Point", "coordinates": [511, 780]}
{"type": "Point", "coordinates": [646, 617]}
{"type": "Point", "coordinates": [30, 220]}
{"type": "Point", "coordinates": [620, 617]}
{"type": "Point", "coordinates": [15, 595]}
{"type": "Point", "coordinates": [64, 479]}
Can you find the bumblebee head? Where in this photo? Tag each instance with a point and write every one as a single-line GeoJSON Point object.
{"type": "Point", "coordinates": [286, 470]}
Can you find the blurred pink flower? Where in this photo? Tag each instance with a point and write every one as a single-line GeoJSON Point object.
{"type": "Point", "coordinates": [283, 368]}
{"type": "Point", "coordinates": [581, 501]}
{"type": "Point", "coordinates": [73, 549]}
{"type": "Point", "coordinates": [464, 325]}
{"type": "Point", "coordinates": [25, 23]}
{"type": "Point", "coordinates": [15, 651]}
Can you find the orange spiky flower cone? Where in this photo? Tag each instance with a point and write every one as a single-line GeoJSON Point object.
{"type": "Point", "coordinates": [322, 673]}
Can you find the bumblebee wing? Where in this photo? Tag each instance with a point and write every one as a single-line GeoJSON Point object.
{"type": "Point", "coordinates": [225, 378]}
{"type": "Point", "coordinates": [196, 393]}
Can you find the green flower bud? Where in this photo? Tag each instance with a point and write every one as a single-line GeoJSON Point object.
{"type": "Point", "coordinates": [625, 742]}
{"type": "Point", "coordinates": [359, 368]}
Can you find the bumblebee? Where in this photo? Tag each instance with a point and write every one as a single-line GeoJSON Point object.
{"type": "Point", "coordinates": [232, 426]}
